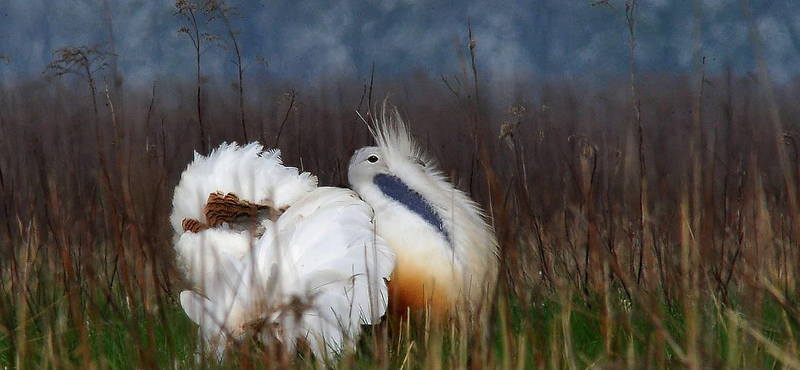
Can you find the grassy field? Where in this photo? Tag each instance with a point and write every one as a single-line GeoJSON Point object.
{"type": "Point", "coordinates": [673, 249]}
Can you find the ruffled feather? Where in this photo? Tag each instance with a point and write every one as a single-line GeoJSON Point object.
{"type": "Point", "coordinates": [316, 274]}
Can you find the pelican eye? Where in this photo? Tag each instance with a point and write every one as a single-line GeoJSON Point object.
{"type": "Point", "coordinates": [372, 158]}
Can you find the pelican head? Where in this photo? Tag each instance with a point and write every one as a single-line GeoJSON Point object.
{"type": "Point", "coordinates": [446, 252]}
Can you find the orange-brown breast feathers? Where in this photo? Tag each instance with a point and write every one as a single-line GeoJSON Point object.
{"type": "Point", "coordinates": [419, 289]}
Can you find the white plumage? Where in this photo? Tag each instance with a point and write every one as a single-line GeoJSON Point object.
{"type": "Point", "coordinates": [249, 172]}
{"type": "Point", "coordinates": [320, 270]}
{"type": "Point", "coordinates": [446, 252]}
{"type": "Point", "coordinates": [317, 273]}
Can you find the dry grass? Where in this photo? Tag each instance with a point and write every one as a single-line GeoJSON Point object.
{"type": "Point", "coordinates": [87, 266]}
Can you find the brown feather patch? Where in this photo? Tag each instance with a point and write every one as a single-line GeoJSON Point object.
{"type": "Point", "coordinates": [229, 208]}
{"type": "Point", "coordinates": [190, 224]}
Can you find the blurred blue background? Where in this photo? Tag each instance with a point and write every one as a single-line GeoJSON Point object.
{"type": "Point", "coordinates": [309, 41]}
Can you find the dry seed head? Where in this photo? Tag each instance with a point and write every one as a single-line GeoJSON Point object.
{"type": "Point", "coordinates": [787, 137]}
{"type": "Point", "coordinates": [506, 129]}
{"type": "Point", "coordinates": [518, 110]}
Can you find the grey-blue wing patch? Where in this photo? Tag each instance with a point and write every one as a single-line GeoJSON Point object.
{"type": "Point", "coordinates": [396, 189]}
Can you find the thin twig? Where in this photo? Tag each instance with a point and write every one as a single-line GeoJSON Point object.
{"type": "Point", "coordinates": [292, 94]}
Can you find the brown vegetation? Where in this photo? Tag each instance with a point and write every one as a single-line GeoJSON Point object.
{"type": "Point", "coordinates": [92, 207]}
